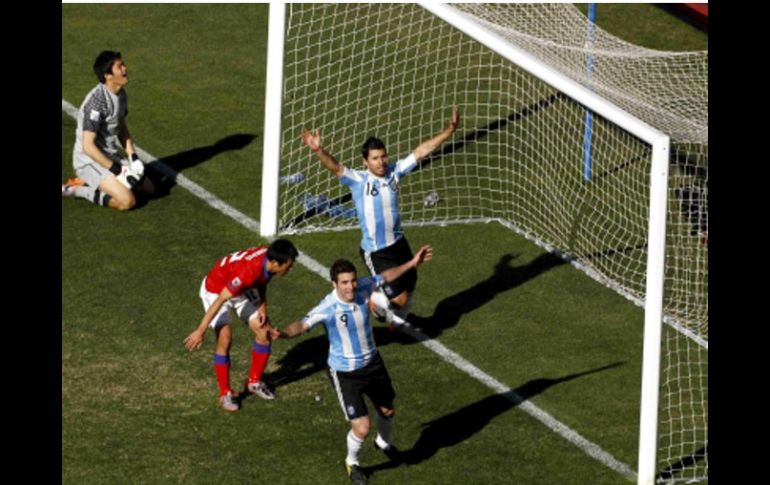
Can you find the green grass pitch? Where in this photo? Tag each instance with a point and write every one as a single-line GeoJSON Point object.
{"type": "Point", "coordinates": [138, 408]}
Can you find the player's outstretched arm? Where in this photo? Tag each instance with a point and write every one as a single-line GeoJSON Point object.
{"type": "Point", "coordinates": [313, 141]}
{"type": "Point", "coordinates": [424, 254]}
{"type": "Point", "coordinates": [426, 148]}
{"type": "Point", "coordinates": [195, 339]}
{"type": "Point", "coordinates": [297, 327]}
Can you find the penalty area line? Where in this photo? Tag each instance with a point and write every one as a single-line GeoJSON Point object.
{"type": "Point", "coordinates": [591, 449]}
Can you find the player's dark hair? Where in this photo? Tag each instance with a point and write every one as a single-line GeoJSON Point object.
{"type": "Point", "coordinates": [103, 64]}
{"type": "Point", "coordinates": [341, 266]}
{"type": "Point", "coordinates": [372, 143]}
{"type": "Point", "coordinates": [281, 251]}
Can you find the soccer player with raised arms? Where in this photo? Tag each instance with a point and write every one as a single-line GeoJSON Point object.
{"type": "Point", "coordinates": [238, 282]}
{"type": "Point", "coordinates": [355, 366]}
{"type": "Point", "coordinates": [375, 194]}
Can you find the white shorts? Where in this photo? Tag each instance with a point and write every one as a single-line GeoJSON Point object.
{"type": "Point", "coordinates": [244, 305]}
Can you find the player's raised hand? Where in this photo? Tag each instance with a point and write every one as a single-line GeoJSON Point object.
{"type": "Point", "coordinates": [425, 253]}
{"type": "Point", "coordinates": [312, 140]}
{"type": "Point", "coordinates": [193, 341]}
{"type": "Point", "coordinates": [455, 119]}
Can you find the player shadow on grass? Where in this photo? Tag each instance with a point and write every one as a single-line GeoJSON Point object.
{"type": "Point", "coordinates": [450, 310]}
{"type": "Point", "coordinates": [309, 356]}
{"type": "Point", "coordinates": [164, 179]}
{"type": "Point", "coordinates": [458, 426]}
{"type": "Point", "coordinates": [301, 360]}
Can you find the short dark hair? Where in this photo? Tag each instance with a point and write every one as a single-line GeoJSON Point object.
{"type": "Point", "coordinates": [103, 64]}
{"type": "Point", "coordinates": [372, 143]}
{"type": "Point", "coordinates": [341, 266]}
{"type": "Point", "coordinates": [282, 250]}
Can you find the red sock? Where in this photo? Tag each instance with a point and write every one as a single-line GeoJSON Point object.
{"type": "Point", "coordinates": [222, 370]}
{"type": "Point", "coordinates": [259, 357]}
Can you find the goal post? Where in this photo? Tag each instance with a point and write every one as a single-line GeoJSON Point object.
{"type": "Point", "coordinates": [518, 73]}
{"type": "Point", "coordinates": [657, 217]}
{"type": "Point", "coordinates": [272, 127]}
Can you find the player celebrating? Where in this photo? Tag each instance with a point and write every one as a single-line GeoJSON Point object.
{"type": "Point", "coordinates": [375, 194]}
{"type": "Point", "coordinates": [238, 282]}
{"type": "Point", "coordinates": [355, 366]}
{"type": "Point", "coordinates": [103, 177]}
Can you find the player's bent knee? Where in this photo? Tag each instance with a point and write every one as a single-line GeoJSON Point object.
{"type": "Point", "coordinates": [360, 427]}
{"type": "Point", "coordinates": [123, 202]}
{"type": "Point", "coordinates": [125, 205]}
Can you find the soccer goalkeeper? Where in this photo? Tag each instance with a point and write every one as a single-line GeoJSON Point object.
{"type": "Point", "coordinates": [375, 194]}
{"type": "Point", "coordinates": [103, 176]}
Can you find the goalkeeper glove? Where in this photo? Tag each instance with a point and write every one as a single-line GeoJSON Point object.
{"type": "Point", "coordinates": [136, 165]}
{"type": "Point", "coordinates": [126, 174]}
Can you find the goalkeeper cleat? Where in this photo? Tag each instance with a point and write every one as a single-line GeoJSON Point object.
{"type": "Point", "coordinates": [356, 474]}
{"type": "Point", "coordinates": [228, 402]}
{"type": "Point", "coordinates": [260, 389]}
{"type": "Point", "coordinates": [68, 187]}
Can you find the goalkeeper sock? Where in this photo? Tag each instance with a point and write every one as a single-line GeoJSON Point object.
{"type": "Point", "coordinates": [96, 196]}
{"type": "Point", "coordinates": [222, 370]}
{"type": "Point", "coordinates": [259, 356]}
{"type": "Point", "coordinates": [354, 448]}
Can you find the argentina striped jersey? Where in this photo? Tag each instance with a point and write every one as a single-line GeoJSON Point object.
{"type": "Point", "coordinates": [376, 200]}
{"type": "Point", "coordinates": [351, 342]}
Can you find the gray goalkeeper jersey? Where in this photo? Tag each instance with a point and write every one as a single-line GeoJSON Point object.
{"type": "Point", "coordinates": [103, 113]}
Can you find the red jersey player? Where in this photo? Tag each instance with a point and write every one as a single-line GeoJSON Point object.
{"type": "Point", "coordinates": [238, 282]}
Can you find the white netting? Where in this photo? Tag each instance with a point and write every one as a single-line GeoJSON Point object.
{"type": "Point", "coordinates": [394, 71]}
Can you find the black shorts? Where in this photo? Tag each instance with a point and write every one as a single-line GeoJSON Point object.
{"type": "Point", "coordinates": [372, 380]}
{"type": "Point", "coordinates": [394, 255]}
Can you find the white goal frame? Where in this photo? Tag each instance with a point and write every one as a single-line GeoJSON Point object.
{"type": "Point", "coordinates": [660, 146]}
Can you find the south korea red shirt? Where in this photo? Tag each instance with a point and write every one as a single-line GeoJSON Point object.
{"type": "Point", "coordinates": [239, 271]}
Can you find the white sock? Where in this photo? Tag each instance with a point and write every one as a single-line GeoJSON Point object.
{"type": "Point", "coordinates": [354, 448]}
{"type": "Point", "coordinates": [84, 192]}
{"type": "Point", "coordinates": [384, 428]}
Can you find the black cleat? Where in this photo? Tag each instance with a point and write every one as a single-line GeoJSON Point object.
{"type": "Point", "coordinates": [356, 475]}
{"type": "Point", "coordinates": [391, 452]}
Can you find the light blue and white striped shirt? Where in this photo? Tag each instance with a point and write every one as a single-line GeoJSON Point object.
{"type": "Point", "coordinates": [376, 200]}
{"type": "Point", "coordinates": [351, 341]}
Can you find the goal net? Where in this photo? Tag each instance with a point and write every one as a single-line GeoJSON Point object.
{"type": "Point", "coordinates": [522, 155]}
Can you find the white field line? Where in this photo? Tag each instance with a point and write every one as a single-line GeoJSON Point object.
{"type": "Point", "coordinates": [591, 449]}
